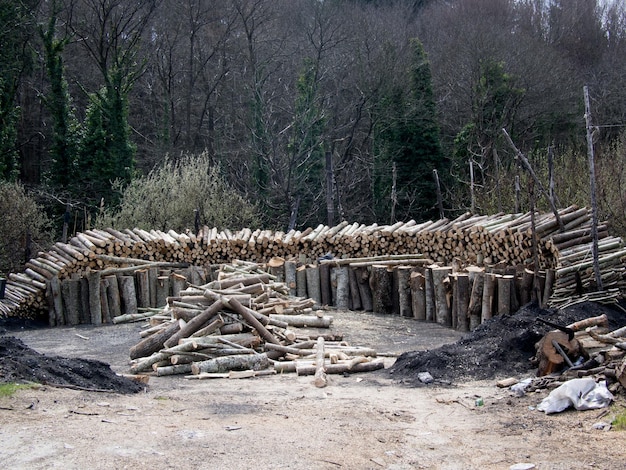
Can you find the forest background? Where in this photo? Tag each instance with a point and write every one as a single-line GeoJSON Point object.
{"type": "Point", "coordinates": [166, 114]}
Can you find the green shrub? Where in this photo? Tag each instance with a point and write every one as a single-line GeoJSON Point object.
{"type": "Point", "coordinates": [166, 199]}
{"type": "Point", "coordinates": [25, 229]}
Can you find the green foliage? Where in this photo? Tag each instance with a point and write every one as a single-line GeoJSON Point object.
{"type": "Point", "coordinates": [22, 223]}
{"type": "Point", "coordinates": [65, 128]}
{"type": "Point", "coordinates": [105, 153]}
{"type": "Point", "coordinates": [306, 146]}
{"type": "Point", "coordinates": [407, 137]}
{"type": "Point", "coordinates": [167, 198]}
{"type": "Point", "coordinates": [15, 22]}
{"type": "Point", "coordinates": [619, 421]}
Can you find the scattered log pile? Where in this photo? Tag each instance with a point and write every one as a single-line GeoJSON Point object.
{"type": "Point", "coordinates": [583, 349]}
{"type": "Point", "coordinates": [554, 265]}
{"type": "Point", "coordinates": [240, 325]}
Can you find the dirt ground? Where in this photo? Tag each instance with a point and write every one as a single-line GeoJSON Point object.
{"type": "Point", "coordinates": [361, 421]}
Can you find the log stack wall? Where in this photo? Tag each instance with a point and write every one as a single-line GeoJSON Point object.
{"type": "Point", "coordinates": [98, 269]}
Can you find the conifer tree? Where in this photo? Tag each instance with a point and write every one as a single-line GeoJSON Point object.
{"type": "Point", "coordinates": [407, 140]}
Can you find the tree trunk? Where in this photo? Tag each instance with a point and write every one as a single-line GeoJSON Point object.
{"type": "Point", "coordinates": [463, 297]}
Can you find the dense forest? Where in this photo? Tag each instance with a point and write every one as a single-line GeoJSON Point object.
{"type": "Point", "coordinates": [308, 111]}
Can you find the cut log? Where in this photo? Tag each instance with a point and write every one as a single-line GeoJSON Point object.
{"type": "Point", "coordinates": [313, 288]}
{"type": "Point", "coordinates": [320, 369]}
{"type": "Point", "coordinates": [326, 295]}
{"type": "Point", "coordinates": [355, 296]}
{"type": "Point", "coordinates": [342, 368]}
{"type": "Point", "coordinates": [95, 306]}
{"type": "Point", "coordinates": [441, 284]}
{"type": "Point", "coordinates": [70, 289]}
{"type": "Point", "coordinates": [113, 296]}
{"type": "Point", "coordinates": [127, 294]}
{"type": "Point", "coordinates": [381, 283]}
{"type": "Point", "coordinates": [343, 288]}
{"type": "Point", "coordinates": [474, 309]}
{"type": "Point", "coordinates": [195, 324]}
{"type": "Point", "coordinates": [488, 296]}
{"type": "Point", "coordinates": [463, 295]}
{"type": "Point", "coordinates": [228, 363]}
{"type": "Point", "coordinates": [418, 298]}
{"type": "Point", "coordinates": [365, 293]}
{"type": "Point", "coordinates": [405, 307]}
{"type": "Point", "coordinates": [304, 321]}
{"type": "Point", "coordinates": [153, 343]}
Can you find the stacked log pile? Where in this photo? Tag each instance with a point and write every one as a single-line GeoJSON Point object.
{"type": "Point", "coordinates": [244, 324]}
{"type": "Point", "coordinates": [561, 255]}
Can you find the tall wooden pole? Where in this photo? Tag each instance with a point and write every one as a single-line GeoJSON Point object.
{"type": "Point", "coordinates": [439, 196]}
{"type": "Point", "coordinates": [592, 184]}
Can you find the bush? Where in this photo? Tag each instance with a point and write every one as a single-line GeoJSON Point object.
{"type": "Point", "coordinates": [166, 199]}
{"type": "Point", "coordinates": [24, 227]}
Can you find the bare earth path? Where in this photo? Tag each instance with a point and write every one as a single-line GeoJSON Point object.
{"type": "Point", "coordinates": [363, 421]}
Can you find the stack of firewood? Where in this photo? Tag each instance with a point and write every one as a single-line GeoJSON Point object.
{"type": "Point", "coordinates": [244, 321]}
{"type": "Point", "coordinates": [561, 246]}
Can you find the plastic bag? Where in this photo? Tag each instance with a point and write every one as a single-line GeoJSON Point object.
{"type": "Point", "coordinates": [582, 394]}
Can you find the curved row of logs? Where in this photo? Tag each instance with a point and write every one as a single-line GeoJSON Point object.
{"type": "Point", "coordinates": [562, 245]}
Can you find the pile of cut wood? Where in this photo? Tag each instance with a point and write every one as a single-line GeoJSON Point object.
{"type": "Point", "coordinates": [244, 324]}
{"type": "Point", "coordinates": [586, 348]}
{"type": "Point", "coordinates": [558, 244]}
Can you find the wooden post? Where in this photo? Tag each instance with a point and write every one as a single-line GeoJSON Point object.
{"type": "Point", "coordinates": [429, 294]}
{"type": "Point", "coordinates": [343, 288]}
{"type": "Point", "coordinates": [162, 290]}
{"type": "Point", "coordinates": [380, 283]}
{"type": "Point", "coordinates": [290, 277]}
{"type": "Point", "coordinates": [326, 294]}
{"type": "Point", "coordinates": [505, 290]}
{"type": "Point", "coordinates": [85, 315]}
{"type": "Point", "coordinates": [441, 285]}
{"type": "Point", "coordinates": [488, 296]}
{"type": "Point", "coordinates": [365, 292]}
{"type": "Point", "coordinates": [128, 295]}
{"type": "Point", "coordinates": [476, 300]}
{"type": "Point", "coordinates": [313, 288]}
{"type": "Point", "coordinates": [418, 297]}
{"type": "Point", "coordinates": [95, 307]}
{"type": "Point", "coordinates": [301, 281]}
{"type": "Point", "coordinates": [153, 274]}
{"type": "Point", "coordinates": [113, 296]}
{"type": "Point", "coordinates": [71, 300]}
{"type": "Point", "coordinates": [355, 296]}
{"type": "Point", "coordinates": [57, 301]}
{"type": "Point", "coordinates": [404, 291]}
{"type": "Point", "coordinates": [463, 298]}
{"type": "Point", "coordinates": [104, 302]}
{"type": "Point", "coordinates": [143, 288]}
{"type": "Point", "coordinates": [178, 282]}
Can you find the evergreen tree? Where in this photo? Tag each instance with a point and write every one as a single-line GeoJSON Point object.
{"type": "Point", "coordinates": [65, 129]}
{"type": "Point", "coordinates": [15, 26]}
{"type": "Point", "coordinates": [407, 145]}
{"type": "Point", "coordinates": [306, 147]}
